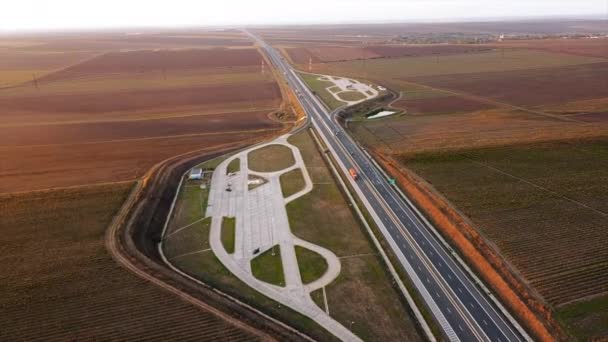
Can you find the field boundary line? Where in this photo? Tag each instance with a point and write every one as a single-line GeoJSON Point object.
{"type": "Point", "coordinates": [191, 253]}
{"type": "Point", "coordinates": [150, 118]}
{"type": "Point", "coordinates": [160, 137]}
{"type": "Point", "coordinates": [358, 255]}
{"type": "Point", "coordinates": [186, 226]}
{"type": "Point", "coordinates": [498, 103]}
{"type": "Point", "coordinates": [69, 187]}
{"type": "Point", "coordinates": [537, 186]}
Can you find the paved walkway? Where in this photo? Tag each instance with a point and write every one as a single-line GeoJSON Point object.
{"type": "Point", "coordinates": [261, 223]}
{"type": "Point", "coordinates": [348, 85]}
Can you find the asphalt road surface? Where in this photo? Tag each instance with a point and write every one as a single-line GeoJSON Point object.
{"type": "Point", "coordinates": [462, 310]}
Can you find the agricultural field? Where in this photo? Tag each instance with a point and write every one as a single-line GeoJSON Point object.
{"type": "Point", "coordinates": [60, 283]}
{"type": "Point", "coordinates": [542, 205]}
{"type": "Point", "coordinates": [83, 117]}
{"type": "Point", "coordinates": [134, 106]}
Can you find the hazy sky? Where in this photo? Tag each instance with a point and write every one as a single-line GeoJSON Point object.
{"type": "Point", "coordinates": [59, 14]}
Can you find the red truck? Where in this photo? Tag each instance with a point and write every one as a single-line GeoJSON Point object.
{"type": "Point", "coordinates": [353, 173]}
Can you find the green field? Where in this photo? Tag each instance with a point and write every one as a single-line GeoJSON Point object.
{"type": "Point", "coordinates": [363, 291]}
{"type": "Point", "coordinates": [270, 158]}
{"type": "Point", "coordinates": [319, 87]}
{"type": "Point", "coordinates": [292, 182]}
{"type": "Point", "coordinates": [268, 267]}
{"type": "Point", "coordinates": [312, 265]}
{"type": "Point", "coordinates": [228, 233]}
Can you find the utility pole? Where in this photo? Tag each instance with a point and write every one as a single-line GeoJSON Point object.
{"type": "Point", "coordinates": [309, 63]}
{"type": "Point", "coordinates": [262, 66]}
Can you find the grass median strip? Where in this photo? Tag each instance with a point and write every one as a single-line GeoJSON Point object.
{"type": "Point", "coordinates": [234, 165]}
{"type": "Point", "coordinates": [312, 265]}
{"type": "Point", "coordinates": [268, 267]}
{"type": "Point", "coordinates": [228, 233]}
{"type": "Point", "coordinates": [292, 182]}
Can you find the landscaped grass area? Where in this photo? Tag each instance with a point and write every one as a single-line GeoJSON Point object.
{"type": "Point", "coordinates": [228, 233]}
{"type": "Point", "coordinates": [312, 265]}
{"type": "Point", "coordinates": [234, 166]}
{"type": "Point", "coordinates": [319, 87]}
{"type": "Point", "coordinates": [351, 96]}
{"type": "Point", "coordinates": [188, 239]}
{"type": "Point", "coordinates": [292, 182]}
{"type": "Point", "coordinates": [587, 320]}
{"type": "Point", "coordinates": [268, 267]}
{"type": "Point", "coordinates": [186, 212]}
{"type": "Point", "coordinates": [270, 158]}
{"type": "Point", "coordinates": [363, 292]}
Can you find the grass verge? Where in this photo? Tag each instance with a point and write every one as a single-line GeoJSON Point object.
{"type": "Point", "coordinates": [228, 233]}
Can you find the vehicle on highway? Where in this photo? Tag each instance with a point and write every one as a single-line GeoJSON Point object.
{"type": "Point", "coordinates": [353, 173]}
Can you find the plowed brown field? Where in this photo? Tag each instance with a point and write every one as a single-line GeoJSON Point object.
{"type": "Point", "coordinates": [530, 87]}
{"type": "Point", "coordinates": [60, 284]}
{"type": "Point", "coordinates": [113, 116]}
{"type": "Point", "coordinates": [147, 99]}
{"type": "Point", "coordinates": [392, 51]}
{"type": "Point", "coordinates": [155, 60]}
{"type": "Point", "coordinates": [581, 47]}
{"type": "Point", "coordinates": [440, 105]}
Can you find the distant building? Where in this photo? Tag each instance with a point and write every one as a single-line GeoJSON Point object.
{"type": "Point", "coordinates": [196, 174]}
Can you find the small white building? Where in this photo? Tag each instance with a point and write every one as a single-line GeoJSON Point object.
{"type": "Point", "coordinates": [196, 173]}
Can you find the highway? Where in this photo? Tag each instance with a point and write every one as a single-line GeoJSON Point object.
{"type": "Point", "coordinates": [461, 309]}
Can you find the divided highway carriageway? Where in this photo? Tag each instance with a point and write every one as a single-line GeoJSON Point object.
{"type": "Point", "coordinates": [462, 310]}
